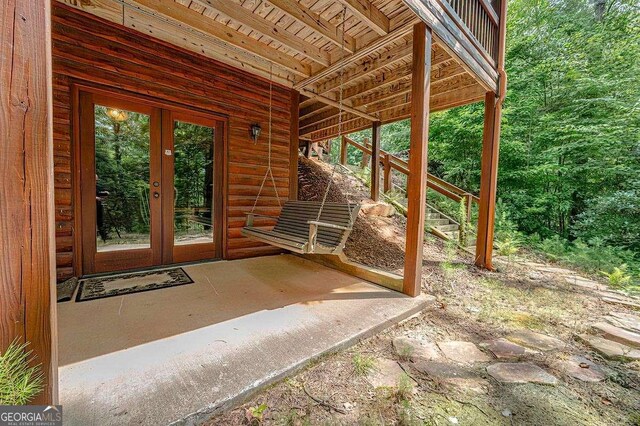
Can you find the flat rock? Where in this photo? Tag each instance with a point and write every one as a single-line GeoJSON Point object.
{"type": "Point", "coordinates": [610, 349]}
{"type": "Point", "coordinates": [629, 303]}
{"type": "Point", "coordinates": [617, 334]}
{"type": "Point", "coordinates": [474, 385]}
{"type": "Point", "coordinates": [463, 352]}
{"type": "Point", "coordinates": [504, 349]}
{"type": "Point", "coordinates": [585, 283]}
{"type": "Point", "coordinates": [554, 270]}
{"type": "Point", "coordinates": [624, 320]}
{"type": "Point", "coordinates": [444, 370]}
{"type": "Point", "coordinates": [378, 209]}
{"type": "Point", "coordinates": [414, 349]}
{"type": "Point", "coordinates": [520, 373]}
{"type": "Point", "coordinates": [386, 373]}
{"type": "Point", "coordinates": [580, 368]}
{"type": "Point", "coordinates": [537, 341]}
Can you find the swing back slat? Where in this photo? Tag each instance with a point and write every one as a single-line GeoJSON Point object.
{"type": "Point", "coordinates": [298, 230]}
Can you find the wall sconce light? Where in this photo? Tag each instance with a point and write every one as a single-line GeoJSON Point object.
{"type": "Point", "coordinates": [255, 132]}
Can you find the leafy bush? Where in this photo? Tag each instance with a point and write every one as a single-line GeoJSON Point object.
{"type": "Point", "coordinates": [19, 383]}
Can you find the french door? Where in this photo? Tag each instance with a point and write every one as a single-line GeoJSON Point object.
{"type": "Point", "coordinates": [150, 184]}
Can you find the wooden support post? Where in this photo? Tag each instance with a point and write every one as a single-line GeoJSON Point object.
{"type": "Point", "coordinates": [343, 151]}
{"type": "Point", "coordinates": [468, 199]}
{"type": "Point", "coordinates": [416, 182]}
{"type": "Point", "coordinates": [490, 150]}
{"type": "Point", "coordinates": [294, 145]}
{"type": "Point", "coordinates": [308, 149]}
{"type": "Point", "coordinates": [387, 174]}
{"type": "Point", "coordinates": [27, 230]}
{"type": "Point", "coordinates": [366, 157]}
{"type": "Point", "coordinates": [488, 181]}
{"type": "Point", "coordinates": [375, 160]}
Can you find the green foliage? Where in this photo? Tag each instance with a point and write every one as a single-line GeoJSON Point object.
{"type": "Point", "coordinates": [19, 383]}
{"type": "Point", "coordinates": [405, 387]}
{"type": "Point", "coordinates": [569, 173]}
{"type": "Point", "coordinates": [618, 278]}
{"type": "Point", "coordinates": [363, 364]}
{"type": "Point", "coordinates": [256, 414]}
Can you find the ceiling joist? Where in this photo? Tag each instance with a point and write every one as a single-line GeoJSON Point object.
{"type": "Point", "coordinates": [365, 11]}
{"type": "Point", "coordinates": [245, 16]}
{"type": "Point", "coordinates": [199, 22]}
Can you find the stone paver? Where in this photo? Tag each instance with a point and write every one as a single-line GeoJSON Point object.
{"type": "Point", "coordinates": [537, 341]}
{"type": "Point", "coordinates": [445, 370]}
{"type": "Point", "coordinates": [580, 368]}
{"type": "Point", "coordinates": [585, 283]}
{"type": "Point", "coordinates": [611, 349]}
{"type": "Point", "coordinates": [617, 334]}
{"type": "Point", "coordinates": [504, 349]}
{"type": "Point", "coordinates": [624, 320]}
{"type": "Point", "coordinates": [622, 302]}
{"type": "Point", "coordinates": [474, 385]}
{"type": "Point", "coordinates": [520, 373]}
{"type": "Point", "coordinates": [386, 373]}
{"type": "Point", "coordinates": [414, 349]}
{"type": "Point", "coordinates": [463, 352]}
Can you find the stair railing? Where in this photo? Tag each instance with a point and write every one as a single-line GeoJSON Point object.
{"type": "Point", "coordinates": [391, 162]}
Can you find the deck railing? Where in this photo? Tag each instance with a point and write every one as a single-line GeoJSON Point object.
{"type": "Point", "coordinates": [478, 18]}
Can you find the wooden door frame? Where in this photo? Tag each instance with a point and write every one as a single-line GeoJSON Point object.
{"type": "Point", "coordinates": [222, 139]}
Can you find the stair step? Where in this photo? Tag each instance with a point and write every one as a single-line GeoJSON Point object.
{"type": "Point", "coordinates": [437, 222]}
{"type": "Point", "coordinates": [432, 215]}
{"type": "Point", "coordinates": [448, 228]}
{"type": "Point", "coordinates": [454, 235]}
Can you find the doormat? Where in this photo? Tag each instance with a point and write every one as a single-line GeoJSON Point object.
{"type": "Point", "coordinates": [66, 288]}
{"type": "Point", "coordinates": [117, 285]}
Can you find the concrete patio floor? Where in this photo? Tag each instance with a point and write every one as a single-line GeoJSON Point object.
{"type": "Point", "coordinates": [178, 354]}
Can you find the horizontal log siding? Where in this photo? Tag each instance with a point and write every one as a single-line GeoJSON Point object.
{"type": "Point", "coordinates": [89, 49]}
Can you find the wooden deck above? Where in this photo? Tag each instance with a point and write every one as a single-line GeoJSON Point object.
{"type": "Point", "coordinates": [309, 44]}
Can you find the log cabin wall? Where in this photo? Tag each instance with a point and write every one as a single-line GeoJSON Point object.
{"type": "Point", "coordinates": [87, 49]}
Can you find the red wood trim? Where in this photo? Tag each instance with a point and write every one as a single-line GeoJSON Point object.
{"type": "Point", "coordinates": [375, 160]}
{"type": "Point", "coordinates": [294, 144]}
{"type": "Point", "coordinates": [27, 234]}
{"type": "Point", "coordinates": [418, 145]}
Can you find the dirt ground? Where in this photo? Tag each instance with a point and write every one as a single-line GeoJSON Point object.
{"type": "Point", "coordinates": [470, 305]}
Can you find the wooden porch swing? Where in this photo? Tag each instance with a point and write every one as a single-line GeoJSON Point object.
{"type": "Point", "coordinates": [306, 227]}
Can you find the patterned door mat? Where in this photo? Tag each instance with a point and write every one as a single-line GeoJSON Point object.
{"type": "Point", "coordinates": [117, 285]}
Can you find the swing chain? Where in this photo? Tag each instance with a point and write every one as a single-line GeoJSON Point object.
{"type": "Point", "coordinates": [340, 113]}
{"type": "Point", "coordinates": [269, 172]}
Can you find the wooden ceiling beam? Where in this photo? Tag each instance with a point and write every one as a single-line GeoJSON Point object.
{"type": "Point", "coordinates": [336, 104]}
{"type": "Point", "coordinates": [368, 68]}
{"type": "Point", "coordinates": [369, 14]}
{"type": "Point", "coordinates": [360, 54]}
{"type": "Point", "coordinates": [208, 26]}
{"type": "Point", "coordinates": [246, 17]}
{"type": "Point", "coordinates": [440, 102]}
{"type": "Point", "coordinates": [381, 100]}
{"type": "Point", "coordinates": [316, 22]}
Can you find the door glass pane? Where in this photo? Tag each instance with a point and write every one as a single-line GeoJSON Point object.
{"type": "Point", "coordinates": [193, 183]}
{"type": "Point", "coordinates": [122, 179]}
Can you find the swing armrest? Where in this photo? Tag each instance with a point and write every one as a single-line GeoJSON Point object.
{"type": "Point", "coordinates": [328, 225]}
{"type": "Point", "coordinates": [251, 215]}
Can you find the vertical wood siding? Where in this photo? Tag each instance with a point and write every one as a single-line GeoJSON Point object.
{"type": "Point", "coordinates": [89, 49]}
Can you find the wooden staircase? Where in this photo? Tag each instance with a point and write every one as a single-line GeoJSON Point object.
{"type": "Point", "coordinates": [445, 227]}
{"type": "Point", "coordinates": [436, 222]}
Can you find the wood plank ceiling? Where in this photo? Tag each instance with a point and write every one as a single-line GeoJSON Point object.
{"type": "Point", "coordinates": [301, 44]}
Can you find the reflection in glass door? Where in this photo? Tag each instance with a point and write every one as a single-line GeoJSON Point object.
{"type": "Point", "coordinates": [122, 143]}
{"type": "Point", "coordinates": [192, 165]}
{"type": "Point", "coordinates": [193, 161]}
